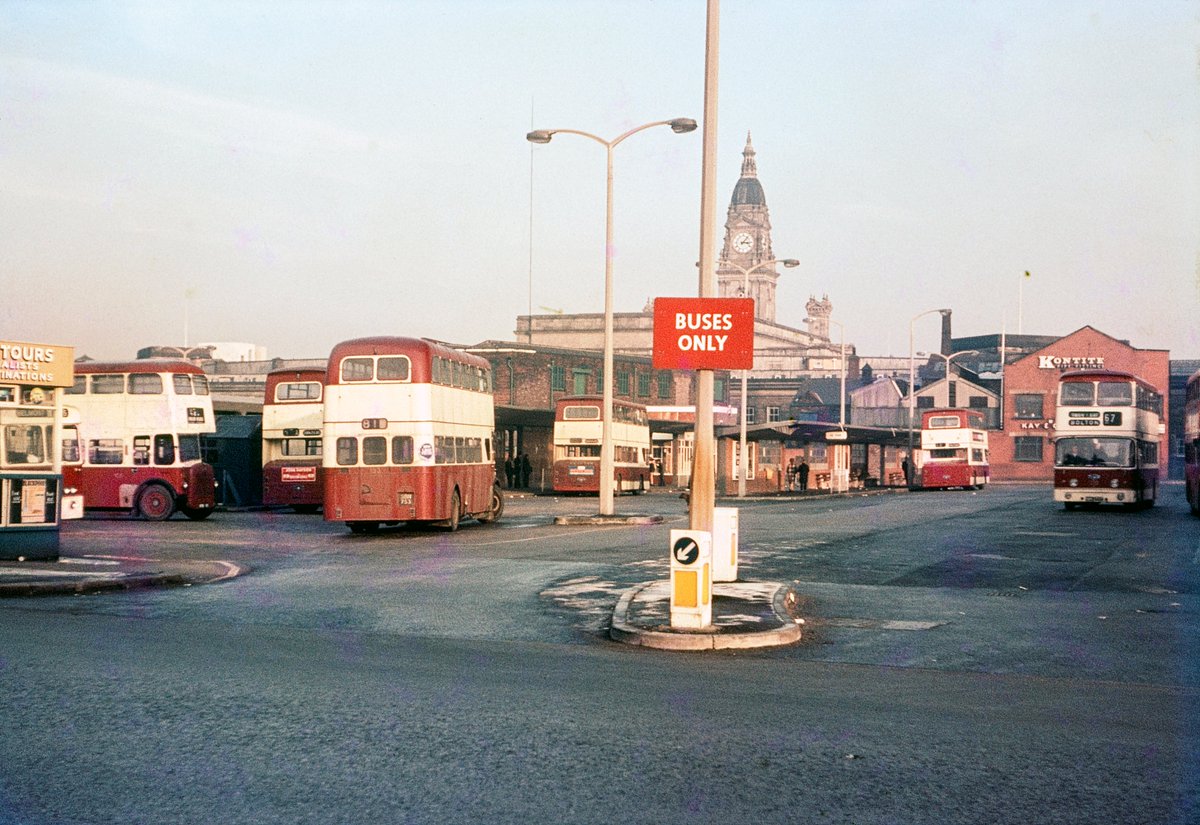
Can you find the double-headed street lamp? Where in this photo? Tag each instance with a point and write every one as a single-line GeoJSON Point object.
{"type": "Point", "coordinates": [912, 394]}
{"type": "Point", "coordinates": [607, 469]}
{"type": "Point", "coordinates": [789, 263]}
{"type": "Point", "coordinates": [952, 356]}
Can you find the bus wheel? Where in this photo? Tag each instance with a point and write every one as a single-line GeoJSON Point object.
{"type": "Point", "coordinates": [455, 511]}
{"type": "Point", "coordinates": [495, 507]}
{"type": "Point", "coordinates": [155, 503]}
{"type": "Point", "coordinates": [197, 514]}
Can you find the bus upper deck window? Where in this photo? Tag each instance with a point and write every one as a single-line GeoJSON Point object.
{"type": "Point", "coordinates": [358, 369]}
{"type": "Point", "coordinates": [108, 384]}
{"type": "Point", "coordinates": [145, 383]}
{"type": "Point", "coordinates": [392, 369]}
{"type": "Point", "coordinates": [1077, 394]}
{"type": "Point", "coordinates": [183, 384]}
{"type": "Point", "coordinates": [1115, 394]}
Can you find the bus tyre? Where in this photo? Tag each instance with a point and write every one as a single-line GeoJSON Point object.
{"type": "Point", "coordinates": [495, 506]}
{"type": "Point", "coordinates": [197, 513]}
{"type": "Point", "coordinates": [455, 511]}
{"type": "Point", "coordinates": [155, 503]}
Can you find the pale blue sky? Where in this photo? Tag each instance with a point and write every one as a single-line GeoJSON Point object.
{"type": "Point", "coordinates": [310, 172]}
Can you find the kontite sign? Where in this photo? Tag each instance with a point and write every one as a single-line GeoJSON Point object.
{"type": "Point", "coordinates": [1056, 362]}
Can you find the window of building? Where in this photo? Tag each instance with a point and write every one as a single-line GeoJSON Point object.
{"type": "Point", "coordinates": [643, 384]}
{"type": "Point", "coordinates": [952, 394]}
{"type": "Point", "coordinates": [719, 385]}
{"type": "Point", "coordinates": [1028, 405]}
{"type": "Point", "coordinates": [622, 383]}
{"type": "Point", "coordinates": [977, 402]}
{"type": "Point", "coordinates": [751, 414]}
{"type": "Point", "coordinates": [773, 414]}
{"type": "Point", "coordinates": [1028, 447]}
{"type": "Point", "coordinates": [579, 378]}
{"type": "Point", "coordinates": [924, 402]}
{"type": "Point", "coordinates": [664, 385]}
{"type": "Point", "coordinates": [558, 378]}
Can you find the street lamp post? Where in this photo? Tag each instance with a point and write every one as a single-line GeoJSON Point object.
{"type": "Point", "coordinates": [842, 397]}
{"type": "Point", "coordinates": [951, 357]}
{"type": "Point", "coordinates": [789, 263]}
{"type": "Point", "coordinates": [679, 126]}
{"type": "Point", "coordinates": [912, 395]}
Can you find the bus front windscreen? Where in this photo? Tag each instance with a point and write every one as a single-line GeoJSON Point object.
{"type": "Point", "coordinates": [1093, 452]}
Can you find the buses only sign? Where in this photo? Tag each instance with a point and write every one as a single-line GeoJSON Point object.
{"type": "Point", "coordinates": [703, 333]}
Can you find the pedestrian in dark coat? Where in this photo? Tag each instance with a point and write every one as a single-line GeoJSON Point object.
{"type": "Point", "coordinates": [525, 469]}
{"type": "Point", "coordinates": [802, 472]}
{"type": "Point", "coordinates": [510, 472]}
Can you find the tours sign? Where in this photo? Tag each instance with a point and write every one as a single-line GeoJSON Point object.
{"type": "Point", "coordinates": [703, 333]}
{"type": "Point", "coordinates": [41, 365]}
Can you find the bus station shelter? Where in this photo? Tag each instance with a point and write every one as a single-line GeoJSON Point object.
{"type": "Point", "coordinates": [880, 450]}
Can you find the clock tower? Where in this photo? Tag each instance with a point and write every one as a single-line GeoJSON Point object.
{"type": "Point", "coordinates": [748, 243]}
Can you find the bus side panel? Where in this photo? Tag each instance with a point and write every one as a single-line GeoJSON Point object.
{"type": "Point", "coordinates": [116, 487]}
{"type": "Point", "coordinates": [934, 475]}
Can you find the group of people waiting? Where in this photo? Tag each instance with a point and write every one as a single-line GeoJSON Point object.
{"type": "Point", "coordinates": [797, 474]}
{"type": "Point", "coordinates": [517, 470]}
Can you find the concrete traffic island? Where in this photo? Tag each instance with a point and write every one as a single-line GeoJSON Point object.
{"type": "Point", "coordinates": [615, 519]}
{"type": "Point", "coordinates": [745, 614]}
{"type": "Point", "coordinates": [78, 575]}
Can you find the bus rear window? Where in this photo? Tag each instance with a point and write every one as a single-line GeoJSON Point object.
{"type": "Point", "coordinates": [579, 413]}
{"type": "Point", "coordinates": [298, 391]}
{"type": "Point", "coordinates": [392, 369]}
{"type": "Point", "coordinates": [943, 422]}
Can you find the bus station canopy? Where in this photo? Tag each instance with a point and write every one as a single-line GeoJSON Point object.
{"type": "Point", "coordinates": [818, 431]}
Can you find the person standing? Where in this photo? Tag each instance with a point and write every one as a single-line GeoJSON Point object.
{"type": "Point", "coordinates": [526, 469]}
{"type": "Point", "coordinates": [802, 472]}
{"type": "Point", "coordinates": [509, 471]}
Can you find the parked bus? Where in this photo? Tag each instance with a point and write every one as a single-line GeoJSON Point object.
{"type": "Point", "coordinates": [408, 435]}
{"type": "Point", "coordinates": [140, 424]}
{"type": "Point", "coordinates": [578, 425]}
{"type": "Point", "coordinates": [31, 417]}
{"type": "Point", "coordinates": [954, 450]}
{"type": "Point", "coordinates": [1191, 442]}
{"type": "Point", "coordinates": [1106, 435]}
{"type": "Point", "coordinates": [293, 416]}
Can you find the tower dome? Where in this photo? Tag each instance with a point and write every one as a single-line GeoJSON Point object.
{"type": "Point", "coordinates": [749, 191]}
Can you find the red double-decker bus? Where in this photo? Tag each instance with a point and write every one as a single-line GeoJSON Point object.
{"type": "Point", "coordinates": [140, 424]}
{"type": "Point", "coordinates": [293, 418]}
{"type": "Point", "coordinates": [408, 435]}
{"type": "Point", "coordinates": [1191, 442]}
{"type": "Point", "coordinates": [954, 450]}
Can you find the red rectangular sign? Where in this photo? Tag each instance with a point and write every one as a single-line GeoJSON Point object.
{"type": "Point", "coordinates": [703, 333]}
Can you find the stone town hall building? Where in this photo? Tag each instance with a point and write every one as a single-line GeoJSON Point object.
{"type": "Point", "coordinates": [780, 351]}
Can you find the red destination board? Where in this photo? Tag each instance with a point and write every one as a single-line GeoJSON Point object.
{"type": "Point", "coordinates": [703, 333]}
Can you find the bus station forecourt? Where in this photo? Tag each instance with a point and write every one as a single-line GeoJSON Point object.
{"type": "Point", "coordinates": [745, 614]}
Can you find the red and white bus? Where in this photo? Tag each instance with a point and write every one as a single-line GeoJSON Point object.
{"type": "Point", "coordinates": [293, 416]}
{"type": "Point", "coordinates": [1107, 427]}
{"type": "Point", "coordinates": [140, 424]}
{"type": "Point", "coordinates": [1191, 442]}
{"type": "Point", "coordinates": [409, 428]}
{"type": "Point", "coordinates": [578, 424]}
{"type": "Point", "coordinates": [954, 450]}
{"type": "Point", "coordinates": [31, 428]}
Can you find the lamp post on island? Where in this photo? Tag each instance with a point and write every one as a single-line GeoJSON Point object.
{"type": "Point", "coordinates": [912, 394]}
{"type": "Point", "coordinates": [679, 126]}
{"type": "Point", "coordinates": [789, 263]}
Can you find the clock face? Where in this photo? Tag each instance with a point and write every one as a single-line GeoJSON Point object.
{"type": "Point", "coordinates": [742, 242]}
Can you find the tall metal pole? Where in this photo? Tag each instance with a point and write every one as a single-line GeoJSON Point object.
{"type": "Point", "coordinates": [703, 497]}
